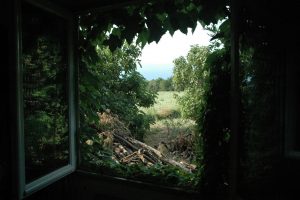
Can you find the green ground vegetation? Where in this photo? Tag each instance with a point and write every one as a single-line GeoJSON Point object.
{"type": "Point", "coordinates": [166, 106]}
{"type": "Point", "coordinates": [169, 125]}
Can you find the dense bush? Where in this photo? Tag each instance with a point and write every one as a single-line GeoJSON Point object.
{"type": "Point", "coordinates": [161, 84]}
{"type": "Point", "coordinates": [204, 75]}
{"type": "Point", "coordinates": [112, 83]}
{"type": "Point", "coordinates": [191, 75]}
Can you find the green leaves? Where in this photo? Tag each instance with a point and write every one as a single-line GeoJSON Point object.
{"type": "Point", "coordinates": [113, 42]}
{"type": "Point", "coordinates": [150, 21]}
{"type": "Point", "coordinates": [191, 74]}
{"type": "Point", "coordinates": [143, 37]}
{"type": "Point", "coordinates": [113, 83]}
{"type": "Point", "coordinates": [155, 28]}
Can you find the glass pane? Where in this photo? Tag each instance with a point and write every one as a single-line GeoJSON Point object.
{"type": "Point", "coordinates": [44, 60]}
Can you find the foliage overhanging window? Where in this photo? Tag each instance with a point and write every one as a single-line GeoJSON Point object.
{"type": "Point", "coordinates": [47, 97]}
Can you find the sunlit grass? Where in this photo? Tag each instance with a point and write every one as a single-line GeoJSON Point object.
{"type": "Point", "coordinates": [168, 120]}
{"type": "Point", "coordinates": [166, 105]}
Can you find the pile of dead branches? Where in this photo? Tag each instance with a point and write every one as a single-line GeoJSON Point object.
{"type": "Point", "coordinates": [127, 150]}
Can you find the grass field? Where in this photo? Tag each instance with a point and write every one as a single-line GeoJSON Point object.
{"type": "Point", "coordinates": [166, 105]}
{"type": "Point", "coordinates": [166, 99]}
{"type": "Point", "coordinates": [168, 121]}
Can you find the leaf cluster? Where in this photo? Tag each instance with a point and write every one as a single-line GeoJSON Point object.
{"type": "Point", "coordinates": [147, 22]}
{"type": "Point", "coordinates": [113, 84]}
{"type": "Point", "coordinates": [191, 75]}
{"type": "Point", "coordinates": [161, 84]}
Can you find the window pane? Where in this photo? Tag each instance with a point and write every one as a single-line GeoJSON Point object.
{"type": "Point", "coordinates": [44, 60]}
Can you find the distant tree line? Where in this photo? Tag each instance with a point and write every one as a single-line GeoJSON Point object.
{"type": "Point", "coordinates": [161, 84]}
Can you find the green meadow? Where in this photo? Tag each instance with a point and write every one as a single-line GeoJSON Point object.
{"type": "Point", "coordinates": [169, 123]}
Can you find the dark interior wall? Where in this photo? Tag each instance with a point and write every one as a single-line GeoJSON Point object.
{"type": "Point", "coordinates": [61, 189]}
{"type": "Point", "coordinates": [291, 168]}
{"type": "Point", "coordinates": [84, 186]}
{"type": "Point", "coordinates": [261, 156]}
{"type": "Point", "coordinates": [90, 187]}
{"type": "Point", "coordinates": [6, 61]}
{"type": "Point", "coordinates": [267, 173]}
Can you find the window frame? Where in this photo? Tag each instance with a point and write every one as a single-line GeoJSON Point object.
{"type": "Point", "coordinates": [26, 189]}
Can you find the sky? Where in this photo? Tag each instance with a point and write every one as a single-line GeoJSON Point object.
{"type": "Point", "coordinates": [157, 58]}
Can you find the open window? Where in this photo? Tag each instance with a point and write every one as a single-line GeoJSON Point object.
{"type": "Point", "coordinates": [46, 95]}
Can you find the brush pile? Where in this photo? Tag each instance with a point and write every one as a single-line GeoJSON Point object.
{"type": "Point", "coordinates": [129, 151]}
